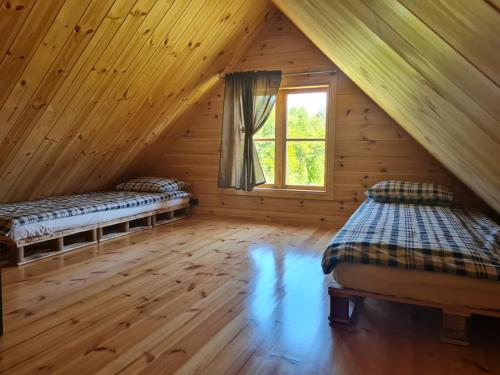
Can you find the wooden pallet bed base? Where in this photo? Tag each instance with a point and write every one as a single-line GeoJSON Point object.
{"type": "Point", "coordinates": [50, 244]}
{"type": "Point", "coordinates": [71, 239]}
{"type": "Point", "coordinates": [120, 227]}
{"type": "Point", "coordinates": [343, 302]}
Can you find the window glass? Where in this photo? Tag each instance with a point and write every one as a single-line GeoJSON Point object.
{"type": "Point", "coordinates": [305, 163]}
{"type": "Point", "coordinates": [306, 115]}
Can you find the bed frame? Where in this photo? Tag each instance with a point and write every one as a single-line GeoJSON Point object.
{"type": "Point", "coordinates": [40, 247]}
{"type": "Point", "coordinates": [343, 302]}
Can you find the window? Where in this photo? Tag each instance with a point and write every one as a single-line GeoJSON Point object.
{"type": "Point", "coordinates": [292, 144]}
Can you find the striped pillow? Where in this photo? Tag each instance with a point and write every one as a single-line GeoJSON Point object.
{"type": "Point", "coordinates": [410, 192]}
{"type": "Point", "coordinates": [151, 185]}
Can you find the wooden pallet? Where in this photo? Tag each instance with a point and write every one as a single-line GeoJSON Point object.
{"type": "Point", "coordinates": [343, 302]}
{"type": "Point", "coordinates": [36, 248]}
{"type": "Point", "coordinates": [119, 227]}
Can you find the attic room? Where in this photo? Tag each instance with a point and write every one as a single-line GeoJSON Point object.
{"type": "Point", "coordinates": [250, 187]}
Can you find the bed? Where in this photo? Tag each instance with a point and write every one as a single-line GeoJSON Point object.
{"type": "Point", "coordinates": [421, 254]}
{"type": "Point", "coordinates": [64, 223]}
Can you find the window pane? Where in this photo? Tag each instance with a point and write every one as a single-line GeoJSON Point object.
{"type": "Point", "coordinates": [267, 130]}
{"type": "Point", "coordinates": [305, 163]}
{"type": "Point", "coordinates": [265, 150]}
{"type": "Point", "coordinates": [306, 115]}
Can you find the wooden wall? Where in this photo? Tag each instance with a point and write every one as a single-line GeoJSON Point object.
{"type": "Point", "coordinates": [86, 84]}
{"type": "Point", "coordinates": [432, 65]}
{"type": "Point", "coordinates": [369, 145]}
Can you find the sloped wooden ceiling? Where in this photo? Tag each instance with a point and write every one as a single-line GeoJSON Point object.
{"type": "Point", "coordinates": [432, 65]}
{"type": "Point", "coordinates": [86, 84]}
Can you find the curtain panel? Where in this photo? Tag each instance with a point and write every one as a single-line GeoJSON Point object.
{"type": "Point", "coordinates": [249, 98]}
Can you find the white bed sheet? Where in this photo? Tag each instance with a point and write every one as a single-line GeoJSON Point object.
{"type": "Point", "coordinates": [50, 226]}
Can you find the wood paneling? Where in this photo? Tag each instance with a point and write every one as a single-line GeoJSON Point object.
{"type": "Point", "coordinates": [244, 298]}
{"type": "Point", "coordinates": [89, 87]}
{"type": "Point", "coordinates": [87, 84]}
{"type": "Point", "coordinates": [369, 146]}
{"type": "Point", "coordinates": [431, 65]}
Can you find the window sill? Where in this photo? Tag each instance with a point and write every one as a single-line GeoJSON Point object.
{"type": "Point", "coordinates": [283, 193]}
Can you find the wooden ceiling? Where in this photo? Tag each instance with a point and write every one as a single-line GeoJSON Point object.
{"type": "Point", "coordinates": [432, 65]}
{"type": "Point", "coordinates": [86, 84]}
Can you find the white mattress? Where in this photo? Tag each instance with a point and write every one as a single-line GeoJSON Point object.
{"type": "Point", "coordinates": [420, 285]}
{"type": "Point", "coordinates": [55, 225]}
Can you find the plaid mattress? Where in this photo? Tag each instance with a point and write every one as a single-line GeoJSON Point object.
{"type": "Point", "coordinates": [14, 214]}
{"type": "Point", "coordinates": [428, 238]}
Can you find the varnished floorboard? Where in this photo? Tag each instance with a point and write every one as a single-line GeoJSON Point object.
{"type": "Point", "coordinates": [215, 297]}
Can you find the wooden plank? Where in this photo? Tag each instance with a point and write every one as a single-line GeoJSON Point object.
{"type": "Point", "coordinates": [41, 61]}
{"type": "Point", "coordinates": [31, 149]}
{"type": "Point", "coordinates": [95, 233]}
{"type": "Point", "coordinates": [430, 54]}
{"type": "Point", "coordinates": [39, 256]}
{"type": "Point", "coordinates": [214, 54]}
{"type": "Point", "coordinates": [64, 133]}
{"type": "Point", "coordinates": [21, 50]}
{"type": "Point", "coordinates": [473, 39]}
{"type": "Point", "coordinates": [369, 146]}
{"type": "Point", "coordinates": [38, 94]}
{"type": "Point", "coordinates": [359, 109]}
{"type": "Point", "coordinates": [336, 289]}
{"type": "Point", "coordinates": [51, 236]}
{"type": "Point", "coordinates": [12, 18]}
{"type": "Point", "coordinates": [370, 132]}
{"type": "Point", "coordinates": [137, 297]}
{"type": "Point", "coordinates": [99, 81]}
{"type": "Point", "coordinates": [16, 254]}
{"type": "Point", "coordinates": [123, 230]}
{"type": "Point", "coordinates": [411, 99]}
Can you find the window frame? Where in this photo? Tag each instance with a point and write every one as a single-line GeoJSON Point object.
{"type": "Point", "coordinates": [297, 84]}
{"type": "Point", "coordinates": [281, 139]}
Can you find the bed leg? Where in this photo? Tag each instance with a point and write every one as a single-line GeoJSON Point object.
{"type": "Point", "coordinates": [100, 234]}
{"type": "Point", "coordinates": [125, 226]}
{"type": "Point", "coordinates": [454, 330]}
{"type": "Point", "coordinates": [93, 235]}
{"type": "Point", "coordinates": [57, 244]}
{"type": "Point", "coordinates": [16, 254]}
{"type": "Point", "coordinates": [341, 309]}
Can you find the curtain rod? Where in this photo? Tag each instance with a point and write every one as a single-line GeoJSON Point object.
{"type": "Point", "coordinates": [299, 73]}
{"type": "Point", "coordinates": [311, 72]}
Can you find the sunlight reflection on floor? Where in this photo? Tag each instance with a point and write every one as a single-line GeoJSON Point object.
{"type": "Point", "coordinates": [298, 284]}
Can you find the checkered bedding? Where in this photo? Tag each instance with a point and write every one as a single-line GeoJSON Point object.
{"type": "Point", "coordinates": [428, 238]}
{"type": "Point", "coordinates": [14, 214]}
{"type": "Point", "coordinates": [152, 185]}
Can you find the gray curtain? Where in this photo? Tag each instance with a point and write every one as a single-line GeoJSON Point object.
{"type": "Point", "coordinates": [249, 98]}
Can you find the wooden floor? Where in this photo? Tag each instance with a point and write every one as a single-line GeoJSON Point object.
{"type": "Point", "coordinates": [214, 297]}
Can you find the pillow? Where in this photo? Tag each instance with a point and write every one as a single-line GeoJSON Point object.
{"type": "Point", "coordinates": [151, 185]}
{"type": "Point", "coordinates": [410, 192]}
